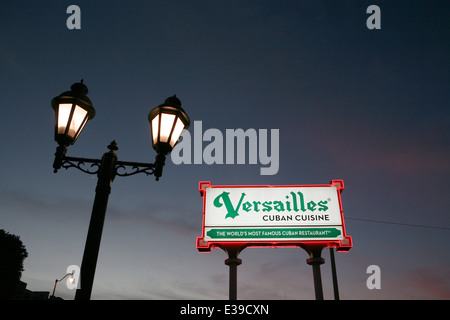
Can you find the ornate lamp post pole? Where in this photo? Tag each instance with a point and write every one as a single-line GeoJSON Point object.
{"type": "Point", "coordinates": [73, 109]}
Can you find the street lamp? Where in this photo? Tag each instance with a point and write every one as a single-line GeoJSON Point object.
{"type": "Point", "coordinates": [73, 109]}
{"type": "Point", "coordinates": [167, 122]}
{"type": "Point", "coordinates": [71, 279]}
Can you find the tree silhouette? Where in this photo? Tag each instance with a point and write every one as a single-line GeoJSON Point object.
{"type": "Point", "coordinates": [12, 255]}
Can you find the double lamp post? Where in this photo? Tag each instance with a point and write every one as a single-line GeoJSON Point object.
{"type": "Point", "coordinates": [73, 109]}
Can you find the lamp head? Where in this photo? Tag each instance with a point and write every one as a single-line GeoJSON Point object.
{"type": "Point", "coordinates": [72, 111]}
{"type": "Point", "coordinates": [167, 122]}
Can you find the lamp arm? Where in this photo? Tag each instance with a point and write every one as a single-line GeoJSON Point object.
{"type": "Point", "coordinates": [78, 163]}
{"type": "Point", "coordinates": [61, 161]}
{"type": "Point", "coordinates": [141, 167]}
{"type": "Point", "coordinates": [136, 167]}
{"type": "Point", "coordinates": [68, 274]}
{"type": "Point", "coordinates": [120, 167]}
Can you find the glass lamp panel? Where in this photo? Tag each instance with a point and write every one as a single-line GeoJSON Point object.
{"type": "Point", "coordinates": [81, 127]}
{"type": "Point", "coordinates": [63, 116]}
{"type": "Point", "coordinates": [155, 127]}
{"type": "Point", "coordinates": [179, 126]}
{"type": "Point", "coordinates": [79, 115]}
{"type": "Point", "coordinates": [167, 121]}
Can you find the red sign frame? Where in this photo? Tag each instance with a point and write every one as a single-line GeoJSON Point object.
{"type": "Point", "coordinates": [341, 245]}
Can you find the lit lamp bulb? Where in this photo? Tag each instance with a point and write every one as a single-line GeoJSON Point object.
{"type": "Point", "coordinates": [167, 122]}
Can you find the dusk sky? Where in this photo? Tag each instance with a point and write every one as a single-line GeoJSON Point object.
{"type": "Point", "coordinates": [369, 106]}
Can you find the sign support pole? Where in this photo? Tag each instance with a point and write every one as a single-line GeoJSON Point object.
{"type": "Point", "coordinates": [333, 271]}
{"type": "Point", "coordinates": [233, 261]}
{"type": "Point", "coordinates": [316, 260]}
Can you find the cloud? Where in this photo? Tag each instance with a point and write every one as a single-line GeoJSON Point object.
{"type": "Point", "coordinates": [428, 283]}
{"type": "Point", "coordinates": [409, 162]}
{"type": "Point", "coordinates": [364, 146]}
{"type": "Point", "coordinates": [156, 217]}
{"type": "Point", "coordinates": [16, 202]}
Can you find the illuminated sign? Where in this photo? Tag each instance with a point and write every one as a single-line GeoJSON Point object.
{"type": "Point", "coordinates": [273, 216]}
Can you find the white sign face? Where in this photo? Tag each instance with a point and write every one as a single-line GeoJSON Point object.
{"type": "Point", "coordinates": [272, 214]}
